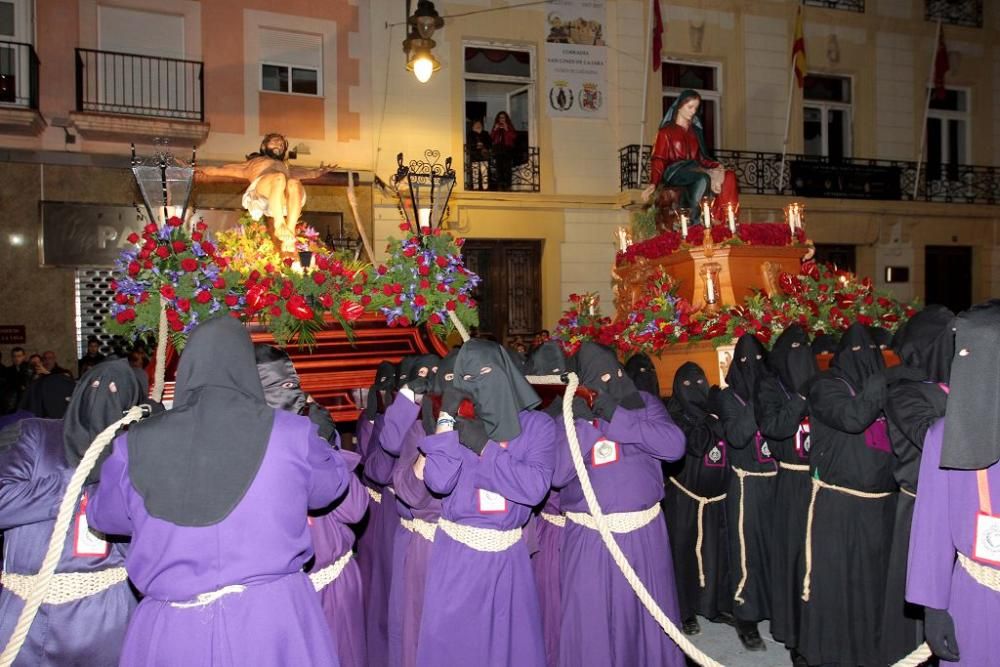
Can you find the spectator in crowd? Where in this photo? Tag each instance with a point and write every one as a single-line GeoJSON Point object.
{"type": "Point", "coordinates": [51, 364]}
{"type": "Point", "coordinates": [92, 357]}
{"type": "Point", "coordinates": [479, 144]}
{"type": "Point", "coordinates": [504, 139]}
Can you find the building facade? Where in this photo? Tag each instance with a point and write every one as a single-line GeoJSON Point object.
{"type": "Point", "coordinates": [82, 79]}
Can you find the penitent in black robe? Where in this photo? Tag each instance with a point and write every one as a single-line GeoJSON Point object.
{"type": "Point", "coordinates": [780, 414]}
{"type": "Point", "coordinates": [851, 536]}
{"type": "Point", "coordinates": [704, 471]}
{"type": "Point", "coordinates": [751, 486]}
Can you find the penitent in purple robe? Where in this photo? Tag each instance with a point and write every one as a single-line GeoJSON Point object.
{"type": "Point", "coordinates": [343, 598]}
{"type": "Point", "coordinates": [603, 621]}
{"type": "Point", "coordinates": [375, 544]}
{"type": "Point", "coordinates": [414, 500]}
{"type": "Point", "coordinates": [33, 477]}
{"type": "Point", "coordinates": [481, 608]}
{"type": "Point", "coordinates": [944, 523]}
{"type": "Point", "coordinates": [262, 545]}
{"type": "Point", "coordinates": [545, 563]}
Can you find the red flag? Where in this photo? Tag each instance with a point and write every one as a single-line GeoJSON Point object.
{"type": "Point", "coordinates": [657, 35]}
{"type": "Point", "coordinates": [799, 50]}
{"type": "Point", "coordinates": [941, 65]}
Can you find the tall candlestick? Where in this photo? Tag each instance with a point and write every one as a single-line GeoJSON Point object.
{"type": "Point", "coordinates": [684, 225]}
{"type": "Point", "coordinates": [706, 213]}
{"type": "Point", "coordinates": [791, 218]}
{"type": "Point", "coordinates": [731, 217]}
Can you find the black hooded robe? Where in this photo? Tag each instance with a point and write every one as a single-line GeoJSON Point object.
{"type": "Point", "coordinates": [749, 503]}
{"type": "Point", "coordinates": [782, 415]}
{"type": "Point", "coordinates": [704, 472]}
{"type": "Point", "coordinates": [850, 535]}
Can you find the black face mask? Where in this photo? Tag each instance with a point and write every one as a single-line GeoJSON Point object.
{"type": "Point", "coordinates": [824, 344]}
{"type": "Point", "coordinates": [643, 373]}
{"type": "Point", "coordinates": [442, 378]}
{"type": "Point", "coordinates": [691, 389]}
{"type": "Point", "coordinates": [282, 388]}
{"type": "Point", "coordinates": [881, 337]}
{"type": "Point", "coordinates": [857, 356]}
{"type": "Point", "coordinates": [792, 359]}
{"type": "Point", "coordinates": [600, 371]}
{"type": "Point", "coordinates": [100, 398]}
{"type": "Point", "coordinates": [406, 370]}
{"type": "Point", "coordinates": [385, 377]}
{"type": "Point", "coordinates": [748, 366]}
{"type": "Point", "coordinates": [485, 371]}
{"type": "Point", "coordinates": [547, 359]}
{"type": "Point", "coordinates": [918, 339]}
{"type": "Point", "coordinates": [972, 418]}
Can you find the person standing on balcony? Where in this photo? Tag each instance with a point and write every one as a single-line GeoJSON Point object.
{"type": "Point", "coordinates": [680, 159]}
{"type": "Point", "coordinates": [504, 139]}
{"type": "Point", "coordinates": [478, 145]}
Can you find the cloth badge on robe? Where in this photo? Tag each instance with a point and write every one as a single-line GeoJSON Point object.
{"type": "Point", "coordinates": [604, 452]}
{"type": "Point", "coordinates": [86, 544]}
{"type": "Point", "coordinates": [877, 436]}
{"type": "Point", "coordinates": [763, 449]}
{"type": "Point", "coordinates": [802, 440]}
{"type": "Point", "coordinates": [716, 456]}
{"type": "Point", "coordinates": [986, 546]}
{"type": "Point", "coordinates": [491, 503]}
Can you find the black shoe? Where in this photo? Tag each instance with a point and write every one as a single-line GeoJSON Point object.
{"type": "Point", "coordinates": [751, 640]}
{"type": "Point", "coordinates": [725, 617]}
{"type": "Point", "coordinates": [691, 627]}
{"type": "Point", "coordinates": [798, 660]}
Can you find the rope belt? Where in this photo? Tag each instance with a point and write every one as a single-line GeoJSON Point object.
{"type": "Point", "coordinates": [702, 502]}
{"type": "Point", "coordinates": [797, 467]}
{"type": "Point", "coordinates": [983, 574]}
{"type": "Point", "coordinates": [555, 519]}
{"type": "Point", "coordinates": [908, 492]}
{"type": "Point", "coordinates": [742, 474]}
{"type": "Point", "coordinates": [488, 540]}
{"type": "Point", "coordinates": [205, 599]}
{"type": "Point", "coordinates": [816, 486]}
{"type": "Point", "coordinates": [618, 522]}
{"type": "Point", "coordinates": [325, 576]}
{"type": "Point", "coordinates": [424, 529]}
{"type": "Point", "coordinates": [375, 495]}
{"type": "Point", "coordinates": [65, 586]}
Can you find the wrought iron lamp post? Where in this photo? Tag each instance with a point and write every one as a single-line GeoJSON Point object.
{"type": "Point", "coordinates": [164, 182]}
{"type": "Point", "coordinates": [424, 188]}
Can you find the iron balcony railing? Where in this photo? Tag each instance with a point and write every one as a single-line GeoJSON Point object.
{"type": "Point", "coordinates": [516, 171]}
{"type": "Point", "coordinates": [18, 75]}
{"type": "Point", "coordinates": [128, 84]}
{"type": "Point", "coordinates": [968, 13]}
{"type": "Point", "coordinates": [848, 5]}
{"type": "Point", "coordinates": [760, 173]}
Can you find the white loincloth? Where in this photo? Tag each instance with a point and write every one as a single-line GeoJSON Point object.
{"type": "Point", "coordinates": [257, 205]}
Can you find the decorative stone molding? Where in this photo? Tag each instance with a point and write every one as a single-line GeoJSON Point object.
{"type": "Point", "coordinates": [109, 127]}
{"type": "Point", "coordinates": [21, 121]}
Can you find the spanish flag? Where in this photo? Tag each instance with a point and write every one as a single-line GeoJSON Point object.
{"type": "Point", "coordinates": [799, 50]}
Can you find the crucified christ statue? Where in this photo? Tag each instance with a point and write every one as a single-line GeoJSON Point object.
{"type": "Point", "coordinates": [275, 187]}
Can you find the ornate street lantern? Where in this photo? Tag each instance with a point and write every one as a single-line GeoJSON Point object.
{"type": "Point", "coordinates": [418, 44]}
{"type": "Point", "coordinates": [164, 182]}
{"type": "Point", "coordinates": [424, 187]}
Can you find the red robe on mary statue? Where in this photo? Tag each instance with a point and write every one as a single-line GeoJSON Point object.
{"type": "Point", "coordinates": [677, 161]}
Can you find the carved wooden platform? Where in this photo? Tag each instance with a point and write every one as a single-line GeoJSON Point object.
{"type": "Point", "coordinates": [335, 367]}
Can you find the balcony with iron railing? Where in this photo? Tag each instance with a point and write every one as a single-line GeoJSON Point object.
{"type": "Point", "coordinates": [847, 5]}
{"type": "Point", "coordinates": [19, 89]}
{"type": "Point", "coordinates": [516, 171]}
{"type": "Point", "coordinates": [760, 173]}
{"type": "Point", "coordinates": [968, 13]}
{"type": "Point", "coordinates": [125, 93]}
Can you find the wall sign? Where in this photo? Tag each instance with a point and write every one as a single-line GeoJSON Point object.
{"type": "Point", "coordinates": [13, 334]}
{"type": "Point", "coordinates": [576, 72]}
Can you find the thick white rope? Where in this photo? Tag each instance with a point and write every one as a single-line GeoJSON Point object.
{"type": "Point", "coordinates": [462, 331]}
{"type": "Point", "coordinates": [59, 531]}
{"type": "Point", "coordinates": [160, 372]}
{"type": "Point", "coordinates": [597, 513]}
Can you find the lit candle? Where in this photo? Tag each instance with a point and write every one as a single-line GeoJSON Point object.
{"type": "Point", "coordinates": [424, 218]}
{"type": "Point", "coordinates": [731, 217]}
{"type": "Point", "coordinates": [709, 288]}
{"type": "Point", "coordinates": [790, 214]}
{"type": "Point", "coordinates": [706, 213]}
{"type": "Point", "coordinates": [798, 215]}
{"type": "Point", "coordinates": [684, 225]}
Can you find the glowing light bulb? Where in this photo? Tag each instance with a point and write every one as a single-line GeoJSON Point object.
{"type": "Point", "coordinates": [423, 67]}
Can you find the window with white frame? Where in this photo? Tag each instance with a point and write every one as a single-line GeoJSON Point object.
{"type": "Point", "coordinates": [826, 116]}
{"type": "Point", "coordinates": [947, 141]}
{"type": "Point", "coordinates": [500, 81]}
{"type": "Point", "coordinates": [291, 62]}
{"type": "Point", "coordinates": [677, 76]}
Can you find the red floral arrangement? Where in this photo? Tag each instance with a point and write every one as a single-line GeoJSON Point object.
{"type": "Point", "coordinates": [583, 321]}
{"type": "Point", "coordinates": [760, 233]}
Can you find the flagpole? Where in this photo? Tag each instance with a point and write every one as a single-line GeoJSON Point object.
{"type": "Point", "coordinates": [645, 92]}
{"type": "Point", "coordinates": [927, 110]}
{"type": "Point", "coordinates": [788, 125]}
